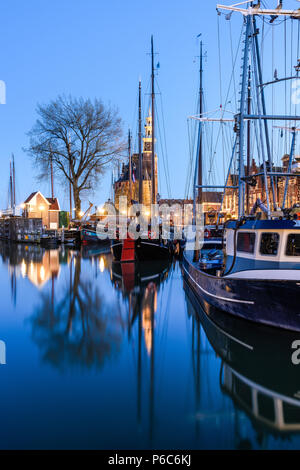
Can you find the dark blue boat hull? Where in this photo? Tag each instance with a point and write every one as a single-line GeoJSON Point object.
{"type": "Point", "coordinates": [270, 302]}
{"type": "Point", "coordinates": [145, 250]}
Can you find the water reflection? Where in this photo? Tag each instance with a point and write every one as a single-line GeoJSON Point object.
{"type": "Point", "coordinates": [129, 354]}
{"type": "Point", "coordinates": [139, 284]}
{"type": "Point", "coordinates": [31, 261]}
{"type": "Point", "coordinates": [256, 372]}
{"type": "Point", "coordinates": [79, 328]}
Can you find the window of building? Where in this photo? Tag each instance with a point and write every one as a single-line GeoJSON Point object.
{"type": "Point", "coordinates": [246, 242]}
{"type": "Point", "coordinates": [269, 243]}
{"type": "Point", "coordinates": [293, 245]}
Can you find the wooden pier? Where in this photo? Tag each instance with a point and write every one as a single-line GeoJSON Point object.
{"type": "Point", "coordinates": [31, 230]}
{"type": "Point", "coordinates": [21, 229]}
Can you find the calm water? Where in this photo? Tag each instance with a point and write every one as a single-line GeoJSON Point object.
{"type": "Point", "coordinates": [100, 358]}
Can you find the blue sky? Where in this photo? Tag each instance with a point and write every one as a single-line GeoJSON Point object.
{"type": "Point", "coordinates": [96, 48]}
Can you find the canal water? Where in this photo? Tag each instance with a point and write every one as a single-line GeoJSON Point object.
{"type": "Point", "coordinates": [103, 356]}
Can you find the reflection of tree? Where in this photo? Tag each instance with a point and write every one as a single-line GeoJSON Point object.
{"type": "Point", "coordinates": [80, 329]}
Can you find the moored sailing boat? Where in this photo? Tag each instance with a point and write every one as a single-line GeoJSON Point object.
{"type": "Point", "coordinates": [148, 246]}
{"type": "Point", "coordinates": [261, 276]}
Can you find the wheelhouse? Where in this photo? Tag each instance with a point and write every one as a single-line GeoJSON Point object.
{"type": "Point", "coordinates": [263, 245]}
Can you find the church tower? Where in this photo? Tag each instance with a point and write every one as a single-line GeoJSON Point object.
{"type": "Point", "coordinates": [148, 134]}
{"type": "Point", "coordinates": [121, 186]}
{"type": "Point", "coordinates": [147, 155]}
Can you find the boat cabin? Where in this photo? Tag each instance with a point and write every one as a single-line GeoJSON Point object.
{"type": "Point", "coordinates": [263, 248]}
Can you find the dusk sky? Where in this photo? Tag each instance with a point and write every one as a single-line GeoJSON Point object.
{"type": "Point", "coordinates": [100, 49]}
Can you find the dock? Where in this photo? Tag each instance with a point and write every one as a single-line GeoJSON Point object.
{"type": "Point", "coordinates": [31, 230]}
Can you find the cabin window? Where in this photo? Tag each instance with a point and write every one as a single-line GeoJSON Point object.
{"type": "Point", "coordinates": [246, 242]}
{"type": "Point", "coordinates": [293, 245]}
{"type": "Point", "coordinates": [269, 243]}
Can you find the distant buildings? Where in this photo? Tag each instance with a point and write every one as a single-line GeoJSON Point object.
{"type": "Point", "coordinates": [257, 187]}
{"type": "Point", "coordinates": [211, 203]}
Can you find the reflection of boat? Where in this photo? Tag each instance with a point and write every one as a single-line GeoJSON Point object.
{"type": "Point", "coordinates": [89, 251]}
{"type": "Point", "coordinates": [140, 283]}
{"type": "Point", "coordinates": [140, 273]}
{"type": "Point", "coordinates": [258, 375]}
{"type": "Point", "coordinates": [274, 410]}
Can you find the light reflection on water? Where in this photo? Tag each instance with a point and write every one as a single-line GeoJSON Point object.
{"type": "Point", "coordinates": [107, 356]}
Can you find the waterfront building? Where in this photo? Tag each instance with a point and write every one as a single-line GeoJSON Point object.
{"type": "Point", "coordinates": [37, 206]}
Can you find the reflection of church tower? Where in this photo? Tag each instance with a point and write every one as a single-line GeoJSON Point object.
{"type": "Point", "coordinates": [149, 307]}
{"type": "Point", "coordinates": [121, 186]}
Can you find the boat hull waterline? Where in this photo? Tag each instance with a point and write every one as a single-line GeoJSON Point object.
{"type": "Point", "coordinates": [145, 250]}
{"type": "Point", "coordinates": [90, 236]}
{"type": "Point", "coordinates": [271, 302]}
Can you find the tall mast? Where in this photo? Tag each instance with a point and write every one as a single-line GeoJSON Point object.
{"type": "Point", "coordinates": [241, 123]}
{"type": "Point", "coordinates": [70, 194]}
{"type": "Point", "coordinates": [153, 125]}
{"type": "Point", "coordinates": [130, 166]}
{"type": "Point", "coordinates": [70, 184]}
{"type": "Point", "coordinates": [200, 128]}
{"type": "Point", "coordinates": [13, 184]}
{"type": "Point", "coordinates": [51, 173]}
{"type": "Point", "coordinates": [10, 185]}
{"type": "Point", "coordinates": [140, 147]}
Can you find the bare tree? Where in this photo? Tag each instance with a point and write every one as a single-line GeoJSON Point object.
{"type": "Point", "coordinates": [80, 137]}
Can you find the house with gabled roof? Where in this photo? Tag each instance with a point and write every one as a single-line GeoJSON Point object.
{"type": "Point", "coordinates": [41, 207]}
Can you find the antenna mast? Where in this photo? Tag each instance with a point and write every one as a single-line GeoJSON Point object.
{"type": "Point", "coordinates": [153, 126]}
{"type": "Point", "coordinates": [13, 184]}
{"type": "Point", "coordinates": [200, 128]}
{"type": "Point", "coordinates": [248, 141]}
